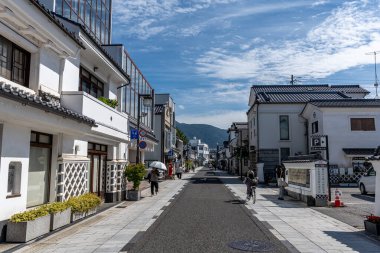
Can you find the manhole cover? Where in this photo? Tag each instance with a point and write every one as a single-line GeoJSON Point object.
{"type": "Point", "coordinates": [252, 246]}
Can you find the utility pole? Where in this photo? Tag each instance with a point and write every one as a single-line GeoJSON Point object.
{"type": "Point", "coordinates": [291, 80]}
{"type": "Point", "coordinates": [374, 53]}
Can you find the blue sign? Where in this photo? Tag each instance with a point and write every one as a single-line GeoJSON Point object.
{"type": "Point", "coordinates": [142, 144]}
{"type": "Point", "coordinates": [134, 133]}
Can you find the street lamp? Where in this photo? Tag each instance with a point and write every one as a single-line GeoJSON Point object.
{"type": "Point", "coordinates": [147, 101]}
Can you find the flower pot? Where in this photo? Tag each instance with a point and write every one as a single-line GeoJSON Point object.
{"type": "Point", "coordinates": [60, 219]}
{"type": "Point", "coordinates": [28, 230]}
{"type": "Point", "coordinates": [373, 228]}
{"type": "Point", "coordinates": [133, 195]}
{"type": "Point", "coordinates": [92, 211]}
{"type": "Point", "coordinates": [77, 216]}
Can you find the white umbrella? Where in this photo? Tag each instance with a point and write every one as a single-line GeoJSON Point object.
{"type": "Point", "coordinates": [158, 165]}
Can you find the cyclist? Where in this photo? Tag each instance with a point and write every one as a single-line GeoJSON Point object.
{"type": "Point", "coordinates": [251, 183]}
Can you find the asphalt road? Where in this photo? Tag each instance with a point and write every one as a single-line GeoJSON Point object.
{"type": "Point", "coordinates": [204, 217]}
{"type": "Point", "coordinates": [357, 206]}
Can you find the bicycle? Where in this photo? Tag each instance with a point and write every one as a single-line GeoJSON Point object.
{"type": "Point", "coordinates": [252, 195]}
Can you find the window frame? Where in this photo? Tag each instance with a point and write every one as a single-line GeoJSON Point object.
{"type": "Point", "coordinates": [10, 60]}
{"type": "Point", "coordinates": [288, 128]}
{"type": "Point", "coordinates": [90, 81]}
{"type": "Point", "coordinates": [361, 125]}
{"type": "Point", "coordinates": [315, 127]}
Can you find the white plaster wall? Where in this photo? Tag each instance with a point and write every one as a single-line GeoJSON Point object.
{"type": "Point", "coordinates": [336, 124]}
{"type": "Point", "coordinates": [15, 147]}
{"type": "Point", "coordinates": [69, 142]}
{"type": "Point", "coordinates": [49, 71]}
{"type": "Point", "coordinates": [269, 127]}
{"type": "Point", "coordinates": [156, 154]}
{"type": "Point", "coordinates": [70, 74]}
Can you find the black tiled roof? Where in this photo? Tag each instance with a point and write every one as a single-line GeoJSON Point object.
{"type": "Point", "coordinates": [347, 103]}
{"type": "Point", "coordinates": [297, 97]}
{"type": "Point", "coordinates": [55, 20]}
{"type": "Point", "coordinates": [309, 88]}
{"type": "Point", "coordinates": [39, 102]}
{"type": "Point", "coordinates": [359, 151]}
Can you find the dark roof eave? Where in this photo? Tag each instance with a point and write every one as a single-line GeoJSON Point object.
{"type": "Point", "coordinates": [51, 16]}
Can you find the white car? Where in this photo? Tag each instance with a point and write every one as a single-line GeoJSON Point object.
{"type": "Point", "coordinates": [367, 182]}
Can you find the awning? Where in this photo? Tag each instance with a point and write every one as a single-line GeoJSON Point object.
{"type": "Point", "coordinates": [358, 151]}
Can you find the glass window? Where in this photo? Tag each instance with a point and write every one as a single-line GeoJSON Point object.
{"type": "Point", "coordinates": [90, 84]}
{"type": "Point", "coordinates": [363, 124]}
{"type": "Point", "coordinates": [284, 127]}
{"type": "Point", "coordinates": [314, 127]}
{"type": "Point", "coordinates": [14, 62]}
{"type": "Point", "coordinates": [14, 178]}
{"type": "Point", "coordinates": [58, 7]}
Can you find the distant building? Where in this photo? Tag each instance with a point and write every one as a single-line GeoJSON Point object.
{"type": "Point", "coordinates": [275, 125]}
{"type": "Point", "coordinates": [237, 156]}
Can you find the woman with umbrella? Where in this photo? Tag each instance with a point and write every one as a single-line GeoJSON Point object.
{"type": "Point", "coordinates": [153, 180]}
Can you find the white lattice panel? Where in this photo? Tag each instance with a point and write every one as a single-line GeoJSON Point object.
{"type": "Point", "coordinates": [72, 179]}
{"type": "Point", "coordinates": [115, 176]}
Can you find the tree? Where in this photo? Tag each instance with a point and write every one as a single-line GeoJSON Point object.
{"type": "Point", "coordinates": [180, 135]}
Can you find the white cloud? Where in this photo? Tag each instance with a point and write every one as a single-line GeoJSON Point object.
{"type": "Point", "coordinates": [221, 119]}
{"type": "Point", "coordinates": [181, 107]}
{"type": "Point", "coordinates": [338, 43]}
{"type": "Point", "coordinates": [143, 17]}
{"type": "Point", "coordinates": [320, 2]}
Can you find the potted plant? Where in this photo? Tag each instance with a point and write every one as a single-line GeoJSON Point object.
{"type": "Point", "coordinates": [25, 226]}
{"type": "Point", "coordinates": [372, 224]}
{"type": "Point", "coordinates": [83, 205]}
{"type": "Point", "coordinates": [134, 173]}
{"type": "Point", "coordinates": [60, 213]}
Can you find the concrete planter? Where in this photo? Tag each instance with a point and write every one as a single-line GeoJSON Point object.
{"type": "Point", "coordinates": [92, 211]}
{"type": "Point", "coordinates": [372, 228]}
{"type": "Point", "coordinates": [60, 219]}
{"type": "Point", "coordinates": [28, 230]}
{"type": "Point", "coordinates": [133, 195]}
{"type": "Point", "coordinates": [77, 216]}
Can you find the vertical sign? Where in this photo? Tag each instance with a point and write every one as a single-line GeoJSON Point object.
{"type": "Point", "coordinates": [134, 133]}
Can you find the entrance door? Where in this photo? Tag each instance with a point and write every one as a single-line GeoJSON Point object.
{"type": "Point", "coordinates": [98, 162]}
{"type": "Point", "coordinates": [39, 169]}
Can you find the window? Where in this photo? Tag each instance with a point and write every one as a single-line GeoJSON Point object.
{"type": "Point", "coordinates": [362, 124]}
{"type": "Point", "coordinates": [14, 62]}
{"type": "Point", "coordinates": [14, 179]}
{"type": "Point", "coordinates": [314, 127]}
{"type": "Point", "coordinates": [90, 84]}
{"type": "Point", "coordinates": [284, 127]}
{"type": "Point", "coordinates": [285, 153]}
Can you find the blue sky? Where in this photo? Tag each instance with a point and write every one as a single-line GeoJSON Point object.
{"type": "Point", "coordinates": [208, 53]}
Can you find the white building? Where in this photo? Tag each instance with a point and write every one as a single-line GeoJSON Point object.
{"type": "Point", "coordinates": [200, 150]}
{"type": "Point", "coordinates": [57, 139]}
{"type": "Point", "coordinates": [238, 163]}
{"type": "Point", "coordinates": [276, 128]}
{"type": "Point", "coordinates": [351, 126]}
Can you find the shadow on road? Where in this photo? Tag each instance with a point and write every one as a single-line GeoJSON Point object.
{"type": "Point", "coordinates": [351, 240]}
{"type": "Point", "coordinates": [370, 198]}
{"type": "Point", "coordinates": [235, 201]}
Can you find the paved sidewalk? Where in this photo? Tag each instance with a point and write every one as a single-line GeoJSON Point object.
{"type": "Point", "coordinates": [306, 229]}
{"type": "Point", "coordinates": [111, 230]}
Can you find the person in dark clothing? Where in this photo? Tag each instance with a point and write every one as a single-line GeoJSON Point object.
{"type": "Point", "coordinates": [153, 180]}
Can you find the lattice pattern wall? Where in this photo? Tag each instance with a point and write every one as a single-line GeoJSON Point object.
{"type": "Point", "coordinates": [72, 179]}
{"type": "Point", "coordinates": [351, 178]}
{"type": "Point", "coordinates": [115, 177]}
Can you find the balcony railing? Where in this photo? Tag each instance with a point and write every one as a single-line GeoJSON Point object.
{"type": "Point", "coordinates": [109, 120]}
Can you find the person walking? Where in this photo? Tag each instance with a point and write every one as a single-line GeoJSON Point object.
{"type": "Point", "coordinates": [153, 180]}
{"type": "Point", "coordinates": [178, 171]}
{"type": "Point", "coordinates": [280, 173]}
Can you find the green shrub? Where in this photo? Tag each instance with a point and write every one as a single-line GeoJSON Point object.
{"type": "Point", "coordinates": [29, 215]}
{"type": "Point", "coordinates": [84, 203]}
{"type": "Point", "coordinates": [56, 207]}
{"type": "Point", "coordinates": [110, 102]}
{"type": "Point", "coordinates": [135, 173]}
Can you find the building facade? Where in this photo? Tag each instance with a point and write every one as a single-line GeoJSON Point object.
{"type": "Point", "coordinates": [62, 133]}
{"type": "Point", "coordinates": [276, 128]}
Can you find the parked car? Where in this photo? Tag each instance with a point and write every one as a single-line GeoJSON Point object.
{"type": "Point", "coordinates": [367, 182]}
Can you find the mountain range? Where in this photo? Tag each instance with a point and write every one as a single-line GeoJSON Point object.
{"type": "Point", "coordinates": [206, 133]}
